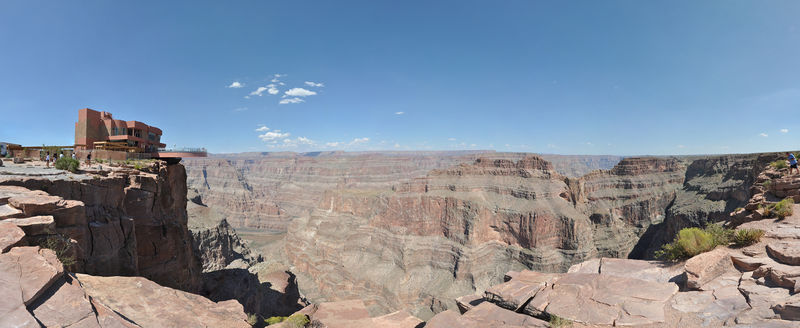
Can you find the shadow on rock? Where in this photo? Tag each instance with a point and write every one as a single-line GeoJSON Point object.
{"type": "Point", "coordinates": [278, 296]}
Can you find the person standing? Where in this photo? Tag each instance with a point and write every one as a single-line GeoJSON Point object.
{"type": "Point", "coordinates": [89, 158]}
{"type": "Point", "coordinates": [47, 160]}
{"type": "Point", "coordinates": [792, 163]}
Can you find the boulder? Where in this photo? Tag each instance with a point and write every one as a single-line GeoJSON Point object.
{"type": "Point", "coordinates": [706, 266]}
{"type": "Point", "coordinates": [789, 311]}
{"type": "Point", "coordinates": [148, 304]}
{"type": "Point", "coordinates": [10, 236]}
{"type": "Point", "coordinates": [467, 302]}
{"type": "Point", "coordinates": [786, 252]}
{"type": "Point", "coordinates": [36, 225]}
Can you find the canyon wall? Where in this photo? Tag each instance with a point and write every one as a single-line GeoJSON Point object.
{"type": "Point", "coordinates": [123, 222]}
{"type": "Point", "coordinates": [416, 231]}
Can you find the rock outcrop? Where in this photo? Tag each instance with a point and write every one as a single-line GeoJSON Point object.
{"type": "Point", "coordinates": [39, 293]}
{"type": "Point", "coordinates": [118, 221]}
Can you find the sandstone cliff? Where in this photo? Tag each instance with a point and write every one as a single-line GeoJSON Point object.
{"type": "Point", "coordinates": [123, 221]}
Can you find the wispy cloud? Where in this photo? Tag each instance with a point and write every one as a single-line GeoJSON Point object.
{"type": "Point", "coordinates": [271, 89]}
{"type": "Point", "coordinates": [259, 91]}
{"type": "Point", "coordinates": [262, 128]}
{"type": "Point", "coordinates": [681, 146]}
{"type": "Point", "coordinates": [313, 84]}
{"type": "Point", "coordinates": [451, 139]}
{"type": "Point", "coordinates": [784, 130]}
{"type": "Point", "coordinates": [357, 141]}
{"type": "Point", "coordinates": [299, 92]}
{"type": "Point", "coordinates": [291, 101]}
{"type": "Point", "coordinates": [240, 109]}
{"type": "Point", "coordinates": [236, 85]}
{"type": "Point", "coordinates": [764, 135]}
{"type": "Point", "coordinates": [273, 136]}
{"type": "Point", "coordinates": [399, 113]}
{"type": "Point", "coordinates": [333, 144]}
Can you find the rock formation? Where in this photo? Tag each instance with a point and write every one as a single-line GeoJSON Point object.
{"type": "Point", "coordinates": [120, 221]}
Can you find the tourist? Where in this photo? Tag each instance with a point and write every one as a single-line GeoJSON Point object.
{"type": "Point", "coordinates": [47, 160]}
{"type": "Point", "coordinates": [792, 163]}
{"type": "Point", "coordinates": [73, 155]}
{"type": "Point", "coordinates": [89, 158]}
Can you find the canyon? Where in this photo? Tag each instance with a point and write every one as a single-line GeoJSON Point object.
{"type": "Point", "coordinates": [414, 231]}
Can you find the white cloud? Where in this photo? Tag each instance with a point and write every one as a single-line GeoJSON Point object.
{"type": "Point", "coordinates": [681, 146]}
{"type": "Point", "coordinates": [332, 144]}
{"type": "Point", "coordinates": [299, 92]}
{"type": "Point", "coordinates": [240, 109]}
{"type": "Point", "coordinates": [473, 145]}
{"type": "Point", "coordinates": [273, 135]}
{"type": "Point", "coordinates": [312, 84]}
{"type": "Point", "coordinates": [764, 135]}
{"type": "Point", "coordinates": [271, 89]}
{"type": "Point", "coordinates": [291, 101]}
{"type": "Point", "coordinates": [784, 130]}
{"type": "Point", "coordinates": [551, 146]}
{"type": "Point", "coordinates": [399, 113]}
{"type": "Point", "coordinates": [262, 128]}
{"type": "Point", "coordinates": [274, 80]}
{"type": "Point", "coordinates": [451, 139]}
{"type": "Point", "coordinates": [588, 144]}
{"type": "Point", "coordinates": [397, 145]}
{"type": "Point", "coordinates": [236, 85]}
{"type": "Point", "coordinates": [259, 91]}
{"type": "Point", "coordinates": [305, 141]}
{"type": "Point", "coordinates": [357, 141]}
{"type": "Point", "coordinates": [279, 75]}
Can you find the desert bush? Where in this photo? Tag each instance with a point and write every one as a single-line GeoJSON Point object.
{"type": "Point", "coordinates": [747, 237]}
{"type": "Point", "coordinates": [558, 322]}
{"type": "Point", "coordinates": [62, 247]}
{"type": "Point", "coordinates": [781, 209]}
{"type": "Point", "coordinates": [779, 164]}
{"type": "Point", "coordinates": [297, 320]}
{"type": "Point", "coordinates": [719, 235]}
{"type": "Point", "coordinates": [67, 163]}
{"type": "Point", "coordinates": [274, 320]}
{"type": "Point", "coordinates": [692, 241]}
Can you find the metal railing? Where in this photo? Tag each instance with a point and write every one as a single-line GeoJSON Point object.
{"type": "Point", "coordinates": [182, 150]}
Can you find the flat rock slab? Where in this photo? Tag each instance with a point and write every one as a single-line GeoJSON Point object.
{"type": "Point", "coordinates": [7, 192]}
{"type": "Point", "coordinates": [63, 305]}
{"type": "Point", "coordinates": [343, 314]}
{"type": "Point", "coordinates": [148, 304]}
{"type": "Point", "coordinates": [467, 302]}
{"type": "Point", "coordinates": [8, 212]}
{"type": "Point", "coordinates": [591, 298]}
{"type": "Point", "coordinates": [786, 252]}
{"type": "Point", "coordinates": [10, 236]}
{"type": "Point", "coordinates": [29, 271]}
{"type": "Point", "coordinates": [399, 319]}
{"type": "Point", "coordinates": [645, 270]}
{"type": "Point", "coordinates": [484, 315]}
{"type": "Point", "coordinates": [36, 225]}
{"type": "Point", "coordinates": [36, 203]}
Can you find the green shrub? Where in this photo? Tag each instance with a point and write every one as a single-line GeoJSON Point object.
{"type": "Point", "coordinates": [747, 237]}
{"type": "Point", "coordinates": [693, 241]}
{"type": "Point", "coordinates": [781, 209]}
{"type": "Point", "coordinates": [274, 320]}
{"type": "Point", "coordinates": [558, 322]}
{"type": "Point", "coordinates": [719, 235]}
{"type": "Point", "coordinates": [297, 320]}
{"type": "Point", "coordinates": [62, 247]}
{"type": "Point", "coordinates": [767, 183]}
{"type": "Point", "coordinates": [67, 163]}
{"type": "Point", "coordinates": [779, 164]}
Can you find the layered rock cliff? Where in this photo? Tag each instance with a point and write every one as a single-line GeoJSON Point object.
{"type": "Point", "coordinates": [123, 222]}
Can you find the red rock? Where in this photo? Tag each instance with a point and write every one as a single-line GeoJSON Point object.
{"type": "Point", "coordinates": [484, 315]}
{"type": "Point", "coordinates": [35, 203]}
{"type": "Point", "coordinates": [704, 267]}
{"type": "Point", "coordinates": [10, 236]}
{"type": "Point", "coordinates": [8, 212]}
{"type": "Point", "coordinates": [785, 252]}
{"type": "Point", "coordinates": [36, 225]}
{"type": "Point", "coordinates": [343, 314]}
{"type": "Point", "coordinates": [398, 319]}
{"type": "Point", "coordinates": [41, 268]}
{"type": "Point", "coordinates": [65, 304]}
{"type": "Point", "coordinates": [148, 304]}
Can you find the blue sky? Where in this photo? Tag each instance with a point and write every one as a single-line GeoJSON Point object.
{"type": "Point", "coordinates": [569, 77]}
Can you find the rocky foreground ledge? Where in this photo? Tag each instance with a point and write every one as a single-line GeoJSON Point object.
{"type": "Point", "coordinates": [38, 292]}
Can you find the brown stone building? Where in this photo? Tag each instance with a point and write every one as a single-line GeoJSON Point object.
{"type": "Point", "coordinates": [99, 130]}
